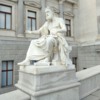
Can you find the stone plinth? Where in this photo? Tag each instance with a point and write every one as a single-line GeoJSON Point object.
{"type": "Point", "coordinates": [48, 82]}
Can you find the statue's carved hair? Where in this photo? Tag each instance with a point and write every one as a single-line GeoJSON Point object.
{"type": "Point", "coordinates": [50, 8]}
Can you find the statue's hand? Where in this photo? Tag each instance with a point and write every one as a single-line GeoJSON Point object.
{"type": "Point", "coordinates": [28, 32]}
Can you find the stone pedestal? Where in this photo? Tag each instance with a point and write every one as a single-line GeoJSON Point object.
{"type": "Point", "coordinates": [48, 82]}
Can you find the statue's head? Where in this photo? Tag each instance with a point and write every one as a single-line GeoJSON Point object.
{"type": "Point", "coordinates": [49, 13]}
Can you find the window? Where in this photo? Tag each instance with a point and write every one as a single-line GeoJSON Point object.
{"type": "Point", "coordinates": [5, 17]}
{"type": "Point", "coordinates": [68, 26]}
{"type": "Point", "coordinates": [31, 24]}
{"type": "Point", "coordinates": [7, 73]}
{"type": "Point", "coordinates": [74, 60]}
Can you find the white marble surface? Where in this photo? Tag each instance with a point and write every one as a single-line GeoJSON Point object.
{"type": "Point", "coordinates": [51, 47]}
{"type": "Point", "coordinates": [90, 81]}
{"type": "Point", "coordinates": [90, 72]}
{"type": "Point", "coordinates": [88, 29]}
{"type": "Point", "coordinates": [93, 96]}
{"type": "Point", "coordinates": [45, 69]}
{"type": "Point", "coordinates": [69, 94]}
{"type": "Point", "coordinates": [42, 77]}
{"type": "Point", "coordinates": [46, 82]}
{"type": "Point", "coordinates": [15, 95]}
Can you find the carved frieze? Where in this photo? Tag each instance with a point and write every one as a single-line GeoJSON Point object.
{"type": "Point", "coordinates": [33, 3]}
{"type": "Point", "coordinates": [72, 1]}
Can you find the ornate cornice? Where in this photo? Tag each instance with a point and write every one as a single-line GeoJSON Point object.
{"type": "Point", "coordinates": [55, 10]}
{"type": "Point", "coordinates": [69, 14]}
{"type": "Point", "coordinates": [12, 0]}
{"type": "Point", "coordinates": [33, 3]}
{"type": "Point", "coordinates": [72, 1]}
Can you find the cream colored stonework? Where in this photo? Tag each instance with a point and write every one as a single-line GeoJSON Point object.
{"type": "Point", "coordinates": [51, 47]}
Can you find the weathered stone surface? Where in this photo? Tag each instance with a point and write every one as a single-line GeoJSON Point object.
{"type": "Point", "coordinates": [15, 95]}
{"type": "Point", "coordinates": [49, 82]}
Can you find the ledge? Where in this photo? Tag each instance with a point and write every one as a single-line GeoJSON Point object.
{"type": "Point", "coordinates": [43, 92]}
{"type": "Point", "coordinates": [73, 1]}
{"type": "Point", "coordinates": [90, 72]}
{"type": "Point", "coordinates": [43, 69]}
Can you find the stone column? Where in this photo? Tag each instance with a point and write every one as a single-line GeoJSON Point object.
{"type": "Point", "coordinates": [61, 8]}
{"type": "Point", "coordinates": [0, 73]}
{"type": "Point", "coordinates": [98, 21]}
{"type": "Point", "coordinates": [76, 23]}
{"type": "Point", "coordinates": [43, 6]}
{"type": "Point", "coordinates": [98, 24]}
{"type": "Point", "coordinates": [20, 24]}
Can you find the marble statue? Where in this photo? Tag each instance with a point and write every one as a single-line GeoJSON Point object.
{"type": "Point", "coordinates": [51, 47]}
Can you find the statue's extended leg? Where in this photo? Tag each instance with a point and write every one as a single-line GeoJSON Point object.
{"type": "Point", "coordinates": [50, 43]}
{"type": "Point", "coordinates": [49, 48]}
{"type": "Point", "coordinates": [25, 62]}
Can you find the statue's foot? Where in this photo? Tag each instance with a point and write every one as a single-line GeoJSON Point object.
{"type": "Point", "coordinates": [44, 62]}
{"type": "Point", "coordinates": [24, 63]}
{"type": "Point", "coordinates": [56, 63]}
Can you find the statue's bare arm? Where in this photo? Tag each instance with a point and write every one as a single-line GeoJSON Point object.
{"type": "Point", "coordinates": [63, 27]}
{"type": "Point", "coordinates": [35, 31]}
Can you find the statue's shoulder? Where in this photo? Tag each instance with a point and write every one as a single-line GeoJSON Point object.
{"type": "Point", "coordinates": [60, 19]}
{"type": "Point", "coordinates": [45, 24]}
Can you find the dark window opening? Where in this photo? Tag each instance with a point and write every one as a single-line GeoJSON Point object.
{"type": "Point", "coordinates": [68, 27]}
{"type": "Point", "coordinates": [31, 24]}
{"type": "Point", "coordinates": [74, 60]}
{"type": "Point", "coordinates": [84, 68]}
{"type": "Point", "coordinates": [5, 17]}
{"type": "Point", "coordinates": [7, 73]}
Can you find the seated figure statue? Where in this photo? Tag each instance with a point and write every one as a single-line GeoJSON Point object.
{"type": "Point", "coordinates": [52, 46]}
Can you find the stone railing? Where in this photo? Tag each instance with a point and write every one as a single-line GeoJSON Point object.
{"type": "Point", "coordinates": [90, 81]}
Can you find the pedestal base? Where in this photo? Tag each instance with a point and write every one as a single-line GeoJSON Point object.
{"type": "Point", "coordinates": [48, 82]}
{"type": "Point", "coordinates": [70, 92]}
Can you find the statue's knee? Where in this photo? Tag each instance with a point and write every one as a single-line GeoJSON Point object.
{"type": "Point", "coordinates": [32, 41]}
{"type": "Point", "coordinates": [50, 39]}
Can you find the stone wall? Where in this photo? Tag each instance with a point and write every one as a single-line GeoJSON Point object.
{"type": "Point", "coordinates": [88, 56]}
{"type": "Point", "coordinates": [90, 81]}
{"type": "Point", "coordinates": [13, 50]}
{"type": "Point", "coordinates": [87, 22]}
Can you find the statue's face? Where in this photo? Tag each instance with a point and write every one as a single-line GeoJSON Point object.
{"type": "Point", "coordinates": [49, 14]}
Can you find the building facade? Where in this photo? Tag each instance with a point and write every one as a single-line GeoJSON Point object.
{"type": "Point", "coordinates": [82, 19]}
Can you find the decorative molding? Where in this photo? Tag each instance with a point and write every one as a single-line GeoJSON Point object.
{"type": "Point", "coordinates": [12, 0]}
{"type": "Point", "coordinates": [72, 1]}
{"type": "Point", "coordinates": [69, 14]}
{"type": "Point", "coordinates": [32, 3]}
{"type": "Point", "coordinates": [56, 10]}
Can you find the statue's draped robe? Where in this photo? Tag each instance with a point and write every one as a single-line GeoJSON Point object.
{"type": "Point", "coordinates": [38, 48]}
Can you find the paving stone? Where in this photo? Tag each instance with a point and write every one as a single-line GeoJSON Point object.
{"type": "Point", "coordinates": [15, 95]}
{"type": "Point", "coordinates": [97, 94]}
{"type": "Point", "coordinates": [91, 97]}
